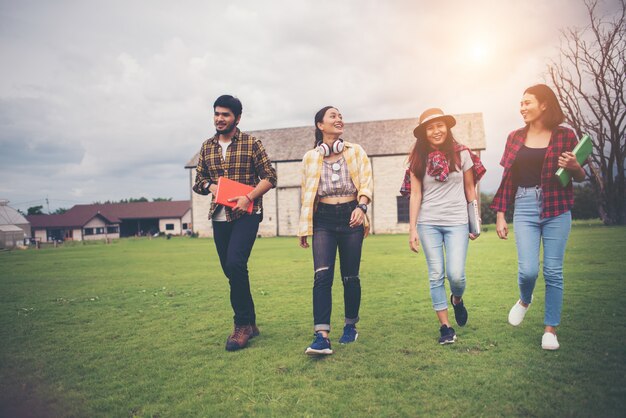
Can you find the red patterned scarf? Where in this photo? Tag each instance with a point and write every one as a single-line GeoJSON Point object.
{"type": "Point", "coordinates": [478, 168]}
{"type": "Point", "coordinates": [438, 166]}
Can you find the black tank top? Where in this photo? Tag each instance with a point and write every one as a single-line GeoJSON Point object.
{"type": "Point", "coordinates": [528, 165]}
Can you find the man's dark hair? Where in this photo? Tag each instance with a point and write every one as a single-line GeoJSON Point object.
{"type": "Point", "coordinates": [229, 102]}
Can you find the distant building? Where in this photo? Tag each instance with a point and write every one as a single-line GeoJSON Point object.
{"type": "Point", "coordinates": [113, 220]}
{"type": "Point", "coordinates": [14, 227]}
{"type": "Point", "coordinates": [387, 142]}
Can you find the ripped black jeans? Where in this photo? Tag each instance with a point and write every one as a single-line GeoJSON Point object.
{"type": "Point", "coordinates": [331, 231]}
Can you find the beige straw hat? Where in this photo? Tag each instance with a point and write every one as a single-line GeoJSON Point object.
{"type": "Point", "coordinates": [428, 116]}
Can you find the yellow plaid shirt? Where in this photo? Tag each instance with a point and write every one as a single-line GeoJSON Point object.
{"type": "Point", "coordinates": [360, 172]}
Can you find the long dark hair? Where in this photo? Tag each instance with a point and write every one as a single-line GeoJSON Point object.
{"type": "Point", "coordinates": [418, 157]}
{"type": "Point", "coordinates": [319, 117]}
{"type": "Point", "coordinates": [553, 115]}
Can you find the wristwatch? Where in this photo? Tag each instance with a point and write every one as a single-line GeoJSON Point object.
{"type": "Point", "coordinates": [362, 206]}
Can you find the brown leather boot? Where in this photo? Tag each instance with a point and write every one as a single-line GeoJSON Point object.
{"type": "Point", "coordinates": [239, 338]}
{"type": "Point", "coordinates": [255, 331]}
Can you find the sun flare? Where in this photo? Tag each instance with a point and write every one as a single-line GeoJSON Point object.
{"type": "Point", "coordinates": [478, 52]}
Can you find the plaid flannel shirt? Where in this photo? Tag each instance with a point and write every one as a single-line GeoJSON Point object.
{"type": "Point", "coordinates": [246, 162]}
{"type": "Point", "coordinates": [360, 172]}
{"type": "Point", "coordinates": [478, 168]}
{"type": "Point", "coordinates": [556, 198]}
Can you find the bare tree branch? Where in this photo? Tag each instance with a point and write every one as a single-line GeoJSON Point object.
{"type": "Point", "coordinates": [589, 77]}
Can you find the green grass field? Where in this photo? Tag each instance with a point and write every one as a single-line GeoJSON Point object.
{"type": "Point", "coordinates": [137, 328]}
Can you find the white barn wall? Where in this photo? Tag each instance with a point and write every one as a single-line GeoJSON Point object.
{"type": "Point", "coordinates": [200, 210]}
{"type": "Point", "coordinates": [267, 228]}
{"type": "Point", "coordinates": [388, 173]}
{"type": "Point", "coordinates": [288, 194]}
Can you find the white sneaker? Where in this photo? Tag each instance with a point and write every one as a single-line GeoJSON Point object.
{"type": "Point", "coordinates": [549, 341]}
{"type": "Point", "coordinates": [517, 313]}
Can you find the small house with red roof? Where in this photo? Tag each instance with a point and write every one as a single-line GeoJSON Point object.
{"type": "Point", "coordinates": [113, 220]}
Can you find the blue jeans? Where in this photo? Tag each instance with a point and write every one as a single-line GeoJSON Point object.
{"type": "Point", "coordinates": [331, 232]}
{"type": "Point", "coordinates": [530, 230]}
{"type": "Point", "coordinates": [454, 239]}
{"type": "Point", "coordinates": [234, 241]}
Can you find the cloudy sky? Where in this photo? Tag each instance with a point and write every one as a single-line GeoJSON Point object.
{"type": "Point", "coordinates": [108, 100]}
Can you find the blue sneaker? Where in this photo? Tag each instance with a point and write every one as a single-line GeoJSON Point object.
{"type": "Point", "coordinates": [319, 346]}
{"type": "Point", "coordinates": [350, 334]}
{"type": "Point", "coordinates": [460, 312]}
{"type": "Point", "coordinates": [448, 336]}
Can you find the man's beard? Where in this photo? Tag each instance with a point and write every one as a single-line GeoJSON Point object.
{"type": "Point", "coordinates": [227, 130]}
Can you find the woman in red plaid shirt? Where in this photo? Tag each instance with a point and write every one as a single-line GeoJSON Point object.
{"type": "Point", "coordinates": [542, 206]}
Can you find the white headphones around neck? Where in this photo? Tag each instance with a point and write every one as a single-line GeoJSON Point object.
{"type": "Point", "coordinates": [335, 148]}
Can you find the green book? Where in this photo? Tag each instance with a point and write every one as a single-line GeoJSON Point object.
{"type": "Point", "coordinates": [582, 150]}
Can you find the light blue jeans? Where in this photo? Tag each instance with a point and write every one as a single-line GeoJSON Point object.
{"type": "Point", "coordinates": [530, 230]}
{"type": "Point", "coordinates": [454, 239]}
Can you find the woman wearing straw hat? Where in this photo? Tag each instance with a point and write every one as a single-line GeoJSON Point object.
{"type": "Point", "coordinates": [336, 189]}
{"type": "Point", "coordinates": [443, 179]}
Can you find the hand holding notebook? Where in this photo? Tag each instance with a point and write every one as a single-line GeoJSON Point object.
{"type": "Point", "coordinates": [228, 190]}
{"type": "Point", "coordinates": [582, 150]}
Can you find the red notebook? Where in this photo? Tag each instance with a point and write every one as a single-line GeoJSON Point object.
{"type": "Point", "coordinates": [227, 189]}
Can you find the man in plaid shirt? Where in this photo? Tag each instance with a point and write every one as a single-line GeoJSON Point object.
{"type": "Point", "coordinates": [240, 157]}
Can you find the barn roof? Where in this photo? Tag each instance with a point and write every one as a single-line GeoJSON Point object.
{"type": "Point", "coordinates": [378, 138]}
{"type": "Point", "coordinates": [52, 221]}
